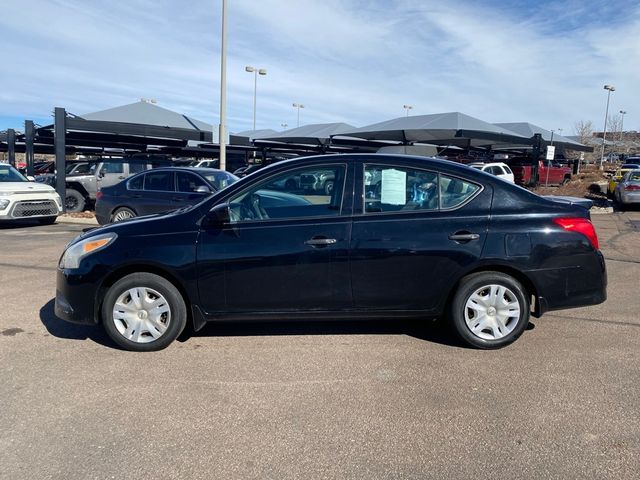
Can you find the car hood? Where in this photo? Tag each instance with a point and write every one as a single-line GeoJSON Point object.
{"type": "Point", "coordinates": [25, 187]}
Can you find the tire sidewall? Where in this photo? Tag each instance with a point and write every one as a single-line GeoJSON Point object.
{"type": "Point", "coordinates": [162, 286]}
{"type": "Point", "coordinates": [467, 287]}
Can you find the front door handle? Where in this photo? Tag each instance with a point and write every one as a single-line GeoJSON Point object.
{"type": "Point", "coordinates": [464, 236]}
{"type": "Point", "coordinates": [320, 242]}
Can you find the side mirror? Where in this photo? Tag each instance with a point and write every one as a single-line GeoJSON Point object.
{"type": "Point", "coordinates": [203, 189]}
{"type": "Point", "coordinates": [218, 216]}
{"type": "Point", "coordinates": [102, 174]}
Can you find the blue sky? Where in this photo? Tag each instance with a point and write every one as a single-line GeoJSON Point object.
{"type": "Point", "coordinates": [353, 61]}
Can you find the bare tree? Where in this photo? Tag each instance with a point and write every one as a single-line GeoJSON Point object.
{"type": "Point", "coordinates": [584, 130]}
{"type": "Point", "coordinates": [614, 125]}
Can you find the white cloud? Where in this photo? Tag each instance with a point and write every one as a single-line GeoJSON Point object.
{"type": "Point", "coordinates": [355, 61]}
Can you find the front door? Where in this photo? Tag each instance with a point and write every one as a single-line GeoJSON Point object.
{"type": "Point", "coordinates": [285, 249]}
{"type": "Point", "coordinates": [110, 173]}
{"type": "Point", "coordinates": [414, 232]}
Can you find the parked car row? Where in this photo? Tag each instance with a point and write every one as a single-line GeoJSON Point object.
{"type": "Point", "coordinates": [627, 191]}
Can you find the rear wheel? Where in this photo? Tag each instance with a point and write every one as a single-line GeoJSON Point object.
{"type": "Point", "coordinates": [122, 213]}
{"type": "Point", "coordinates": [74, 201]}
{"type": "Point", "coordinates": [489, 310]}
{"type": "Point", "coordinates": [143, 312]}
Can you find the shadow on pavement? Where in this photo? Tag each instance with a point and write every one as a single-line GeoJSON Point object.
{"type": "Point", "coordinates": [72, 331]}
{"type": "Point", "coordinates": [429, 330]}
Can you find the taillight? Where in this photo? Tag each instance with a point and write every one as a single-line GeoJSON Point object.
{"type": "Point", "coordinates": [631, 187]}
{"type": "Point", "coordinates": [99, 195]}
{"type": "Point", "coordinates": [580, 225]}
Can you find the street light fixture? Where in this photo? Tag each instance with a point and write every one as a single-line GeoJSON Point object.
{"type": "Point", "coordinates": [256, 72]}
{"type": "Point", "coordinates": [609, 88]}
{"type": "Point", "coordinates": [298, 106]}
{"type": "Point", "coordinates": [407, 108]}
{"type": "Point", "coordinates": [284, 125]}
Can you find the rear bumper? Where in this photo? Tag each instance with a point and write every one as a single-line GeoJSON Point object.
{"type": "Point", "coordinates": [571, 287]}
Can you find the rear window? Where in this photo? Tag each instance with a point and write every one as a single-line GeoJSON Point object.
{"type": "Point", "coordinates": [455, 191]}
{"type": "Point", "coordinates": [159, 181]}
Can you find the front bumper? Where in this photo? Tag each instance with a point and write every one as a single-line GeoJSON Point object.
{"type": "Point", "coordinates": [76, 298]}
{"type": "Point", "coordinates": [30, 205]}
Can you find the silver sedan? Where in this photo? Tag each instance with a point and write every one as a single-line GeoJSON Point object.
{"type": "Point", "coordinates": [627, 191]}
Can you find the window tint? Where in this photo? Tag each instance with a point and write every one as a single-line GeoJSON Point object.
{"type": "Point", "coordinates": [497, 170]}
{"type": "Point", "coordinates": [455, 191]}
{"type": "Point", "coordinates": [136, 183]}
{"type": "Point", "coordinates": [390, 189]}
{"type": "Point", "coordinates": [112, 167]}
{"type": "Point", "coordinates": [507, 169]}
{"type": "Point", "coordinates": [305, 192]}
{"type": "Point", "coordinates": [188, 182]}
{"type": "Point", "coordinates": [159, 181]}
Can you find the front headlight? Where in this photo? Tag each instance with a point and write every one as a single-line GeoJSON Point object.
{"type": "Point", "coordinates": [73, 255]}
{"type": "Point", "coordinates": [58, 201]}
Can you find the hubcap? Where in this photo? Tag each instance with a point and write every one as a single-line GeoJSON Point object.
{"type": "Point", "coordinates": [122, 215]}
{"type": "Point", "coordinates": [492, 311]}
{"type": "Point", "coordinates": [141, 315]}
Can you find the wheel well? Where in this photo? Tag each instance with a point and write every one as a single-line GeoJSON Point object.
{"type": "Point", "coordinates": [124, 271]}
{"type": "Point", "coordinates": [78, 188]}
{"type": "Point", "coordinates": [518, 275]}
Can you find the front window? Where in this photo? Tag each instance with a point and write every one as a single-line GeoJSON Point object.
{"type": "Point", "coordinates": [10, 174]}
{"type": "Point", "coordinates": [221, 179]}
{"type": "Point", "coordinates": [112, 167]}
{"type": "Point", "coordinates": [301, 193]}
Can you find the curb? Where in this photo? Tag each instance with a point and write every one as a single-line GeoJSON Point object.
{"type": "Point", "coordinates": [77, 220]}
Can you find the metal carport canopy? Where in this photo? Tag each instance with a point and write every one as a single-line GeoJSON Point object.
{"type": "Point", "coordinates": [453, 128]}
{"type": "Point", "coordinates": [529, 129]}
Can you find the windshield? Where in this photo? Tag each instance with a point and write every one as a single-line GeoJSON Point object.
{"type": "Point", "coordinates": [10, 174]}
{"type": "Point", "coordinates": [220, 180]}
{"type": "Point", "coordinates": [79, 167]}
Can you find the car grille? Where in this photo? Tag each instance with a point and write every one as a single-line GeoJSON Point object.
{"type": "Point", "coordinates": [34, 208]}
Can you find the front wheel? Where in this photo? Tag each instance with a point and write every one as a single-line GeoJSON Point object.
{"type": "Point", "coordinates": [143, 312]}
{"type": "Point", "coordinates": [74, 201]}
{"type": "Point", "coordinates": [489, 310]}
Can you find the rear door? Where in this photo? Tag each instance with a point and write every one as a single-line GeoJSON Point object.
{"type": "Point", "coordinates": [414, 232]}
{"type": "Point", "coordinates": [157, 193]}
{"type": "Point", "coordinates": [110, 173]}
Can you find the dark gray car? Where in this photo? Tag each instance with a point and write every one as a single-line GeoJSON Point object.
{"type": "Point", "coordinates": [158, 190]}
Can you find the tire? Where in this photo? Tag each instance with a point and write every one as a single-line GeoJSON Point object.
{"type": "Point", "coordinates": [47, 220]}
{"type": "Point", "coordinates": [122, 213]}
{"type": "Point", "coordinates": [131, 322]}
{"type": "Point", "coordinates": [328, 187]}
{"type": "Point", "coordinates": [74, 201]}
{"type": "Point", "coordinates": [474, 294]}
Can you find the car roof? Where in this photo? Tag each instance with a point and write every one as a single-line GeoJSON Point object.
{"type": "Point", "coordinates": [184, 169]}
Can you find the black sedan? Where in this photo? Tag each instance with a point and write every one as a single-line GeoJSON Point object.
{"type": "Point", "coordinates": [158, 190]}
{"type": "Point", "coordinates": [397, 236]}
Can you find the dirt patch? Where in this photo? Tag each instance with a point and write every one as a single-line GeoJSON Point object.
{"type": "Point", "coordinates": [85, 214]}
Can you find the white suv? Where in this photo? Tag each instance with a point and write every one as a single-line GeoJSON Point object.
{"type": "Point", "coordinates": [20, 198]}
{"type": "Point", "coordinates": [498, 169]}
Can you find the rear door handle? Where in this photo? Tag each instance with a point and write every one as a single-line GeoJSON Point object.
{"type": "Point", "coordinates": [464, 237]}
{"type": "Point", "coordinates": [320, 242]}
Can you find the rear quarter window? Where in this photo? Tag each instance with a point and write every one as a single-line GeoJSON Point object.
{"type": "Point", "coordinates": [455, 191]}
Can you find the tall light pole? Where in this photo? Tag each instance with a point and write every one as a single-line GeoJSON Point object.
{"type": "Point", "coordinates": [609, 88]}
{"type": "Point", "coordinates": [407, 108]}
{"type": "Point", "coordinates": [298, 106]}
{"type": "Point", "coordinates": [223, 88]}
{"type": "Point", "coordinates": [255, 71]}
{"type": "Point", "coordinates": [622, 113]}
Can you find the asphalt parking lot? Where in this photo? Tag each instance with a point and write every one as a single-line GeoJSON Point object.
{"type": "Point", "coordinates": [384, 399]}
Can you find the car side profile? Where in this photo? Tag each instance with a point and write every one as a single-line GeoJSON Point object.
{"type": "Point", "coordinates": [158, 190]}
{"type": "Point", "coordinates": [398, 236]}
